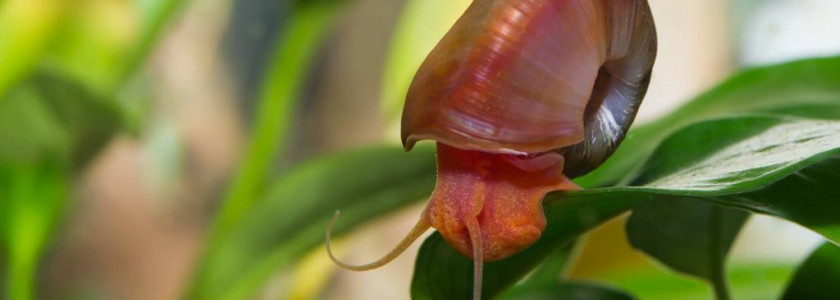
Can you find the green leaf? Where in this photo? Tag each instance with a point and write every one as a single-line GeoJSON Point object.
{"type": "Point", "coordinates": [50, 127]}
{"type": "Point", "coordinates": [667, 228]}
{"type": "Point", "coordinates": [89, 119]}
{"type": "Point", "coordinates": [33, 196]}
{"type": "Point", "coordinates": [688, 236]}
{"type": "Point", "coordinates": [277, 101]}
{"type": "Point", "coordinates": [292, 218]}
{"type": "Point", "coordinates": [805, 82]}
{"type": "Point", "coordinates": [818, 277]}
{"type": "Point", "coordinates": [31, 187]}
{"type": "Point", "coordinates": [780, 166]}
{"type": "Point", "coordinates": [748, 281]}
{"type": "Point", "coordinates": [568, 291]}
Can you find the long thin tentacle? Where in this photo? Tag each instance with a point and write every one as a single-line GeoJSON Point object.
{"type": "Point", "coordinates": [478, 256]}
{"type": "Point", "coordinates": [418, 230]}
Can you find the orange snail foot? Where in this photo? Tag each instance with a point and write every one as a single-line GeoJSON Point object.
{"type": "Point", "coordinates": [488, 206]}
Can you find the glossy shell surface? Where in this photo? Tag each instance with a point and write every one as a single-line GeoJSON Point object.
{"type": "Point", "coordinates": [532, 76]}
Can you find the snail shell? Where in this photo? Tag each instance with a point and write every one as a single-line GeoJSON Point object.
{"type": "Point", "coordinates": [532, 76]}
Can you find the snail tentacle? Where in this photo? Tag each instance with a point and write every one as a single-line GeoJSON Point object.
{"type": "Point", "coordinates": [478, 255]}
{"type": "Point", "coordinates": [415, 233]}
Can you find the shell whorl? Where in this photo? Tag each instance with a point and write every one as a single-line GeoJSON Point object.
{"type": "Point", "coordinates": [618, 91]}
{"type": "Point", "coordinates": [533, 76]}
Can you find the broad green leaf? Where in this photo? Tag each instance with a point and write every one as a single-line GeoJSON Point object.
{"type": "Point", "coordinates": [818, 277]}
{"type": "Point", "coordinates": [568, 291]}
{"type": "Point", "coordinates": [748, 281]}
{"type": "Point", "coordinates": [292, 218]}
{"type": "Point", "coordinates": [679, 234]}
{"type": "Point", "coordinates": [784, 167]}
{"type": "Point", "coordinates": [688, 236]}
{"type": "Point", "coordinates": [811, 81]}
{"type": "Point", "coordinates": [422, 24]}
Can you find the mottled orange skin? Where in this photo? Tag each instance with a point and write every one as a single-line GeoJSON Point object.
{"type": "Point", "coordinates": [503, 193]}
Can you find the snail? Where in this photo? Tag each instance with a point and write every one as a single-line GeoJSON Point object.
{"type": "Point", "coordinates": [521, 96]}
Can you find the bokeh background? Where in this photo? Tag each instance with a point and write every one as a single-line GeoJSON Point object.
{"type": "Point", "coordinates": [192, 79]}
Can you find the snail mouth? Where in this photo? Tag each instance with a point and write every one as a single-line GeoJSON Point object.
{"type": "Point", "coordinates": [501, 193]}
{"type": "Point", "coordinates": [488, 206]}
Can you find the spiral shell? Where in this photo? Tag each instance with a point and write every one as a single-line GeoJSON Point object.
{"type": "Point", "coordinates": [533, 76]}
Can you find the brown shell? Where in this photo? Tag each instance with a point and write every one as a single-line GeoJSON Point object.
{"type": "Point", "coordinates": [532, 76]}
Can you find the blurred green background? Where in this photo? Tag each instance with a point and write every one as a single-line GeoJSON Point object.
{"type": "Point", "coordinates": [136, 134]}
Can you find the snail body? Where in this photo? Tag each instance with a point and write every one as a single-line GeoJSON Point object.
{"type": "Point", "coordinates": [521, 96]}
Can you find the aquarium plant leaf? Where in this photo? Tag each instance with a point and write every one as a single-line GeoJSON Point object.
{"type": "Point", "coordinates": [767, 88]}
{"type": "Point", "coordinates": [777, 166]}
{"type": "Point", "coordinates": [688, 236]}
{"type": "Point", "coordinates": [291, 219]}
{"type": "Point", "coordinates": [818, 277]}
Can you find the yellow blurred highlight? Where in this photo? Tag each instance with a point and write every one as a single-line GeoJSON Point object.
{"type": "Point", "coordinates": [313, 272]}
{"type": "Point", "coordinates": [26, 29]}
{"type": "Point", "coordinates": [97, 40]}
{"type": "Point", "coordinates": [605, 250]}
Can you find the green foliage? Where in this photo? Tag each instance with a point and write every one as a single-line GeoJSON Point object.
{"type": "Point", "coordinates": [690, 178]}
{"type": "Point", "coordinates": [759, 173]}
{"type": "Point", "coordinates": [56, 113]}
{"type": "Point", "coordinates": [276, 103]}
{"type": "Point", "coordinates": [803, 83]}
{"type": "Point", "coordinates": [33, 187]}
{"type": "Point", "coordinates": [689, 236]}
{"type": "Point", "coordinates": [291, 219]}
{"type": "Point", "coordinates": [818, 276]}
{"type": "Point", "coordinates": [34, 196]}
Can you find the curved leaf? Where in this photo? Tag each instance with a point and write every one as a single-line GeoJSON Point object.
{"type": "Point", "coordinates": [33, 197]}
{"type": "Point", "coordinates": [689, 236]}
{"type": "Point", "coordinates": [277, 100]}
{"type": "Point", "coordinates": [779, 166]}
{"type": "Point", "coordinates": [292, 218]}
{"type": "Point", "coordinates": [818, 277]}
{"type": "Point", "coordinates": [770, 88]}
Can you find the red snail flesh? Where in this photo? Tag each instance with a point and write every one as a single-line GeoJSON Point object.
{"type": "Point", "coordinates": [521, 96]}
